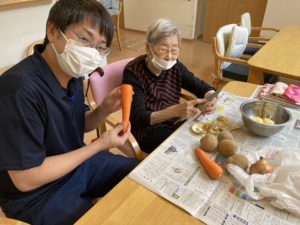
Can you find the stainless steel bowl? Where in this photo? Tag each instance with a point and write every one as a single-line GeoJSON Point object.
{"type": "Point", "coordinates": [264, 109]}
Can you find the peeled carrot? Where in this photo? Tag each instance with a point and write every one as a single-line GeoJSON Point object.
{"type": "Point", "coordinates": [126, 94]}
{"type": "Point", "coordinates": [212, 168]}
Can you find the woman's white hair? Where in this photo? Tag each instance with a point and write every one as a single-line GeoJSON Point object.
{"type": "Point", "coordinates": [160, 29]}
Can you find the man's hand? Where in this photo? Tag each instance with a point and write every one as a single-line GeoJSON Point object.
{"type": "Point", "coordinates": [114, 137]}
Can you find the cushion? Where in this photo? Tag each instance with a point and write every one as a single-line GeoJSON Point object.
{"type": "Point", "coordinates": [236, 72]}
{"type": "Point", "coordinates": [240, 72]}
{"type": "Point", "coordinates": [246, 21]}
{"type": "Point", "coordinates": [222, 36]}
{"type": "Point", "coordinates": [237, 43]}
{"type": "Point", "coordinates": [251, 50]}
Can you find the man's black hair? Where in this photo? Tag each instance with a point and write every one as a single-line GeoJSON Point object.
{"type": "Point", "coordinates": [68, 12]}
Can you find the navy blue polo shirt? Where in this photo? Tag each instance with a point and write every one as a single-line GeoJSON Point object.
{"type": "Point", "coordinates": [38, 118]}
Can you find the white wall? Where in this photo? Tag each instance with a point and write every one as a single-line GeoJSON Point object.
{"type": "Point", "coordinates": [21, 25]}
{"type": "Point", "coordinates": [139, 14]}
{"type": "Point", "coordinates": [281, 12]}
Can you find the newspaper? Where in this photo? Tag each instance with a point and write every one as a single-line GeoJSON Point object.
{"type": "Point", "coordinates": [173, 172]}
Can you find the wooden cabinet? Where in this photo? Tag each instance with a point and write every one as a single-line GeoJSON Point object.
{"type": "Point", "coordinates": [221, 12]}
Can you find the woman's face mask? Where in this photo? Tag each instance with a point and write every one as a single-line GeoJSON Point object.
{"type": "Point", "coordinates": [161, 64]}
{"type": "Point", "coordinates": [78, 61]}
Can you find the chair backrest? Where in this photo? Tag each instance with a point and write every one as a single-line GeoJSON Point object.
{"type": "Point", "coordinates": [246, 21]}
{"type": "Point", "coordinates": [113, 76]}
{"type": "Point", "coordinates": [100, 87]}
{"type": "Point", "coordinates": [30, 50]}
{"type": "Point", "coordinates": [6, 221]}
{"type": "Point", "coordinates": [231, 42]}
{"type": "Point", "coordinates": [3, 69]}
{"type": "Point", "coordinates": [228, 46]}
{"type": "Point", "coordinates": [223, 36]}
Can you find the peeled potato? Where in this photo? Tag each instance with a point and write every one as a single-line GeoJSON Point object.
{"type": "Point", "coordinates": [227, 147]}
{"type": "Point", "coordinates": [198, 128]}
{"type": "Point", "coordinates": [257, 119]}
{"type": "Point", "coordinates": [238, 160]}
{"type": "Point", "coordinates": [209, 142]}
{"type": "Point", "coordinates": [225, 135]}
{"type": "Point", "coordinates": [268, 121]}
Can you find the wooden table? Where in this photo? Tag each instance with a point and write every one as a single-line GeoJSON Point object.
{"type": "Point", "coordinates": [7, 221]}
{"type": "Point", "coordinates": [280, 56]}
{"type": "Point", "coordinates": [131, 203]}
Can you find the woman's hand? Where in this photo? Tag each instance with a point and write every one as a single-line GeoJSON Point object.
{"type": "Point", "coordinates": [112, 102]}
{"type": "Point", "coordinates": [210, 106]}
{"type": "Point", "coordinates": [189, 109]}
{"type": "Point", "coordinates": [114, 137]}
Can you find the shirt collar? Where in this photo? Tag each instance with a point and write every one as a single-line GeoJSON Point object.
{"type": "Point", "coordinates": [47, 75]}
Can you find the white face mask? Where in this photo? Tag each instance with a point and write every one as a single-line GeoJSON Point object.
{"type": "Point", "coordinates": [161, 64]}
{"type": "Point", "coordinates": [78, 61]}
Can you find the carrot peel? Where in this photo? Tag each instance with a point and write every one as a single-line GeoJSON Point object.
{"type": "Point", "coordinates": [213, 170]}
{"type": "Point", "coordinates": [126, 95]}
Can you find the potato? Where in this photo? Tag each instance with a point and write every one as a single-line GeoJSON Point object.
{"type": "Point", "coordinates": [268, 121]}
{"type": "Point", "coordinates": [238, 160]}
{"type": "Point", "coordinates": [227, 147]}
{"type": "Point", "coordinates": [262, 166]}
{"type": "Point", "coordinates": [257, 119]}
{"type": "Point", "coordinates": [225, 135]}
{"type": "Point", "coordinates": [209, 142]}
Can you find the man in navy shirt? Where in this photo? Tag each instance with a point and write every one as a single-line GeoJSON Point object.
{"type": "Point", "coordinates": [47, 174]}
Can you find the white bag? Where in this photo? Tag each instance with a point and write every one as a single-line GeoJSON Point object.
{"type": "Point", "coordinates": [282, 185]}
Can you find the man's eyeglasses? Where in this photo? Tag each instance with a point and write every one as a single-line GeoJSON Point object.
{"type": "Point", "coordinates": [86, 42]}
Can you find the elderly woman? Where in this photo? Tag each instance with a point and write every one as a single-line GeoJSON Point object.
{"type": "Point", "coordinates": [157, 78]}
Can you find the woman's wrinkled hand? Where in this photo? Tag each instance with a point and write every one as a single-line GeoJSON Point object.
{"type": "Point", "coordinates": [189, 109]}
{"type": "Point", "coordinates": [210, 107]}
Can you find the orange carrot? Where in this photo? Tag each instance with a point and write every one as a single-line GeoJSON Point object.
{"type": "Point", "coordinates": [126, 94]}
{"type": "Point", "coordinates": [212, 168]}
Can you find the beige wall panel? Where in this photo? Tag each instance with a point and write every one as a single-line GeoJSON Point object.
{"type": "Point", "coordinates": [221, 12]}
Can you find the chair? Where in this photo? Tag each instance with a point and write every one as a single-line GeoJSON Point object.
{"type": "Point", "coordinates": [114, 7]}
{"type": "Point", "coordinates": [6, 221]}
{"type": "Point", "coordinates": [3, 69]}
{"type": "Point", "coordinates": [246, 22]}
{"type": "Point", "coordinates": [100, 86]}
{"type": "Point", "coordinates": [228, 47]}
{"type": "Point", "coordinates": [29, 50]}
